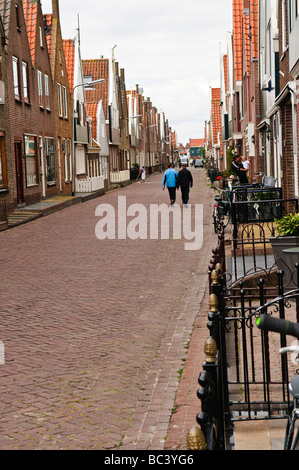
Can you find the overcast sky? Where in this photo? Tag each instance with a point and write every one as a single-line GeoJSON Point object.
{"type": "Point", "coordinates": [169, 47]}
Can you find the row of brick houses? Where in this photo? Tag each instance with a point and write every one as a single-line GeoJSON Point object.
{"type": "Point", "coordinates": [255, 110]}
{"type": "Point", "coordinates": [58, 136]}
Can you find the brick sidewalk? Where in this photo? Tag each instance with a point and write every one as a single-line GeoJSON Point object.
{"type": "Point", "coordinates": [96, 332]}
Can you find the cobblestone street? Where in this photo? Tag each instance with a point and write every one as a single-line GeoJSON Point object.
{"type": "Point", "coordinates": [96, 331]}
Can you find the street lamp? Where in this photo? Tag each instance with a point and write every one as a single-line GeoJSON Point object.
{"type": "Point", "coordinates": [85, 85]}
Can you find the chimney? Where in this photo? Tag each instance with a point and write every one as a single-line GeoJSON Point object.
{"type": "Point", "coordinates": [55, 9]}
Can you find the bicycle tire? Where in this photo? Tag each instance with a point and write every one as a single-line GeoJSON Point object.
{"type": "Point", "coordinates": [215, 223]}
{"type": "Point", "coordinates": [291, 443]}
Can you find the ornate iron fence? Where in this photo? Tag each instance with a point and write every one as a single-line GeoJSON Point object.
{"type": "Point", "coordinates": [243, 375]}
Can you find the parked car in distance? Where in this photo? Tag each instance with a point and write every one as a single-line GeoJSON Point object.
{"type": "Point", "coordinates": [184, 160]}
{"type": "Point", "coordinates": [198, 163]}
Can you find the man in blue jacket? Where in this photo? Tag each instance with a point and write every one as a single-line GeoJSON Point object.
{"type": "Point", "coordinates": [170, 179]}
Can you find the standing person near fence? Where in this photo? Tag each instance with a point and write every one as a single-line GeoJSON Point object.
{"type": "Point", "coordinates": [170, 179]}
{"type": "Point", "coordinates": [239, 170]}
{"type": "Point", "coordinates": [185, 182]}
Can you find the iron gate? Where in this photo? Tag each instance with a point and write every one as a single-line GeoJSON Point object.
{"type": "Point", "coordinates": [244, 377]}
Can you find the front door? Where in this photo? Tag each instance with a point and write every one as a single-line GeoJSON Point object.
{"type": "Point", "coordinates": [19, 173]}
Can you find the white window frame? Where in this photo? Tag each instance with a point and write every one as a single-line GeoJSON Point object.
{"type": "Point", "coordinates": [66, 173]}
{"type": "Point", "coordinates": [25, 81]}
{"type": "Point", "coordinates": [50, 160]}
{"type": "Point", "coordinates": [70, 157]}
{"type": "Point", "coordinates": [59, 99]}
{"type": "Point", "coordinates": [65, 102]}
{"type": "Point", "coordinates": [16, 81]}
{"type": "Point", "coordinates": [40, 88]}
{"type": "Point", "coordinates": [47, 91]}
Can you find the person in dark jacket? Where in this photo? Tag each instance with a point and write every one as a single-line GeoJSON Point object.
{"type": "Point", "coordinates": [239, 170]}
{"type": "Point", "coordinates": [185, 182]}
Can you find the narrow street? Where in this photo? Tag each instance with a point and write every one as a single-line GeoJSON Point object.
{"type": "Point", "coordinates": [96, 331]}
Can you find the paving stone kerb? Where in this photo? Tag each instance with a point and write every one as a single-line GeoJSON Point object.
{"type": "Point", "coordinates": [96, 331]}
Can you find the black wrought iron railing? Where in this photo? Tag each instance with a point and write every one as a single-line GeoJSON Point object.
{"type": "Point", "coordinates": [243, 376]}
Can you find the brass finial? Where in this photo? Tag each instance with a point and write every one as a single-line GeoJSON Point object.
{"type": "Point", "coordinates": [210, 350]}
{"type": "Point", "coordinates": [196, 439]}
{"type": "Point", "coordinates": [213, 303]}
{"type": "Point", "coordinates": [215, 277]}
{"type": "Point", "coordinates": [218, 267]}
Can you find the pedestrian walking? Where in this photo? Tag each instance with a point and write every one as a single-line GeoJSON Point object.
{"type": "Point", "coordinates": [185, 182]}
{"type": "Point", "coordinates": [170, 179]}
{"type": "Point", "coordinates": [142, 173]}
{"type": "Point", "coordinates": [239, 170]}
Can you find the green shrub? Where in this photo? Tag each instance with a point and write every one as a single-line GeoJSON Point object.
{"type": "Point", "coordinates": [288, 225]}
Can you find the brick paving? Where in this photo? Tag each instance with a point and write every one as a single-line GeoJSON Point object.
{"type": "Point", "coordinates": [97, 332]}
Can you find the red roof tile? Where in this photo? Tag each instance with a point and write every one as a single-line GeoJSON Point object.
{"type": "Point", "coordinates": [30, 14]}
{"type": "Point", "coordinates": [97, 68]}
{"type": "Point", "coordinates": [69, 52]}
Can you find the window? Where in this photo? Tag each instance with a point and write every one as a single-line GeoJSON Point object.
{"type": "Point", "coordinates": [25, 81]}
{"type": "Point", "coordinates": [3, 173]}
{"type": "Point", "coordinates": [64, 149]}
{"type": "Point", "coordinates": [15, 68]}
{"type": "Point", "coordinates": [30, 156]}
{"type": "Point", "coordinates": [40, 88]}
{"type": "Point", "coordinates": [65, 103]}
{"type": "Point", "coordinates": [41, 37]}
{"type": "Point", "coordinates": [80, 160]}
{"type": "Point", "coordinates": [59, 99]}
{"type": "Point", "coordinates": [18, 17]}
{"type": "Point", "coordinates": [47, 93]}
{"type": "Point", "coordinates": [50, 161]}
{"type": "Point", "coordinates": [70, 158]}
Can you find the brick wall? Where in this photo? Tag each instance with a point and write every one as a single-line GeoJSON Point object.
{"type": "Point", "coordinates": [63, 125]}
{"type": "Point", "coordinates": [22, 116]}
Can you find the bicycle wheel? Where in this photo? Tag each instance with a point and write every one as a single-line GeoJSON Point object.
{"type": "Point", "coordinates": [215, 221]}
{"type": "Point", "coordinates": [291, 443]}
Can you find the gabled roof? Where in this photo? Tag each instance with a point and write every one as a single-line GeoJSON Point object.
{"type": "Point", "coordinates": [30, 14]}
{"type": "Point", "coordinates": [247, 42]}
{"type": "Point", "coordinates": [216, 115]}
{"type": "Point", "coordinates": [97, 69]}
{"type": "Point", "coordinates": [5, 10]}
{"type": "Point", "coordinates": [69, 53]}
{"type": "Point", "coordinates": [254, 9]}
{"type": "Point", "coordinates": [238, 37]}
{"type": "Point", "coordinates": [48, 30]}
{"type": "Point", "coordinates": [197, 142]}
{"type": "Point", "coordinates": [92, 109]}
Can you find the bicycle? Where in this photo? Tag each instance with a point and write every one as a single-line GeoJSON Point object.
{"type": "Point", "coordinates": [268, 323]}
{"type": "Point", "coordinates": [220, 211]}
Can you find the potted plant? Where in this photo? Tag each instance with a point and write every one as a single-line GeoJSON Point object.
{"type": "Point", "coordinates": [287, 230]}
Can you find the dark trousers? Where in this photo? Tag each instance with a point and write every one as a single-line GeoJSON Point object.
{"type": "Point", "coordinates": [172, 194]}
{"type": "Point", "coordinates": [185, 194]}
